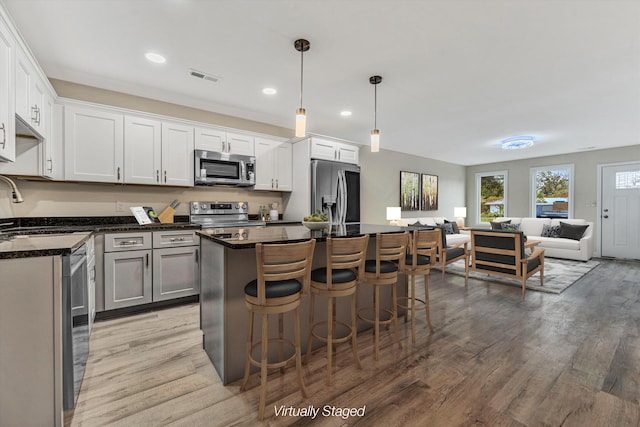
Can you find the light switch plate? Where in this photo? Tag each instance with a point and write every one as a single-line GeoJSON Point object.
{"type": "Point", "coordinates": [119, 207]}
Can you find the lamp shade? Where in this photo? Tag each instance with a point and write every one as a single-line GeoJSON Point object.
{"type": "Point", "coordinates": [301, 122]}
{"type": "Point", "coordinates": [394, 213]}
{"type": "Point", "coordinates": [460, 212]}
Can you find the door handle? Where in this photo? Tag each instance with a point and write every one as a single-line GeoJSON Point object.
{"type": "Point", "coordinates": [118, 173]}
{"type": "Point", "coordinates": [157, 175]}
{"type": "Point", "coordinates": [147, 256]}
{"type": "Point", "coordinates": [606, 216]}
{"type": "Point", "coordinates": [197, 256]}
{"type": "Point", "coordinates": [4, 135]}
{"type": "Point", "coordinates": [165, 177]}
{"type": "Point", "coordinates": [606, 210]}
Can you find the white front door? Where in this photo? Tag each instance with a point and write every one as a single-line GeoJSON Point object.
{"type": "Point", "coordinates": [620, 230]}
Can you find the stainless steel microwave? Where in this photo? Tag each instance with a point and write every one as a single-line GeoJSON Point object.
{"type": "Point", "coordinates": [214, 168]}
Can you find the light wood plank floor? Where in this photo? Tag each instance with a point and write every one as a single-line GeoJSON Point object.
{"type": "Point", "coordinates": [571, 359]}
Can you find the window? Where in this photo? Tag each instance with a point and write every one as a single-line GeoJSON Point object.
{"type": "Point", "coordinates": [627, 180]}
{"type": "Point", "coordinates": [552, 191]}
{"type": "Point", "coordinates": [491, 191]}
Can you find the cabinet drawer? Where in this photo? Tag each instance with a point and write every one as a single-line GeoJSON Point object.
{"type": "Point", "coordinates": [170, 239]}
{"type": "Point", "coordinates": [127, 241]}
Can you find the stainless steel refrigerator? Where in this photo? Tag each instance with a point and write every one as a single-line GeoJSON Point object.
{"type": "Point", "coordinates": [335, 190]}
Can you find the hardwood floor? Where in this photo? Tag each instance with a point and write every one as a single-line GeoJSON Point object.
{"type": "Point", "coordinates": [571, 359]}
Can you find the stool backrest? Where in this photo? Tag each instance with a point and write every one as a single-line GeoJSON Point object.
{"type": "Point", "coordinates": [283, 261]}
{"type": "Point", "coordinates": [391, 247]}
{"type": "Point", "coordinates": [424, 242]}
{"type": "Point", "coordinates": [346, 253]}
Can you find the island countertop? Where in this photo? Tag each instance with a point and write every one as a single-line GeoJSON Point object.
{"type": "Point", "coordinates": [242, 238]}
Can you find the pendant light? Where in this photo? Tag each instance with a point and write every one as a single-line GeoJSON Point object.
{"type": "Point", "coordinates": [301, 46]}
{"type": "Point", "coordinates": [375, 133]}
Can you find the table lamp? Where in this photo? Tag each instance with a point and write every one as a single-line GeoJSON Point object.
{"type": "Point", "coordinates": [460, 213]}
{"type": "Point", "coordinates": [394, 213]}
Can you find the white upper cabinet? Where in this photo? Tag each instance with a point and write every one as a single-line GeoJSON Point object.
{"type": "Point", "coordinates": [142, 150]}
{"type": "Point", "coordinates": [273, 165]}
{"type": "Point", "coordinates": [50, 164]}
{"type": "Point", "coordinates": [29, 93]}
{"type": "Point", "coordinates": [7, 112]}
{"type": "Point", "coordinates": [332, 150]}
{"type": "Point", "coordinates": [94, 144]}
{"type": "Point", "coordinates": [211, 139]}
{"type": "Point", "coordinates": [177, 154]}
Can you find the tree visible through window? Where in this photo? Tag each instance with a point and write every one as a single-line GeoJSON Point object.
{"type": "Point", "coordinates": [551, 187]}
{"type": "Point", "coordinates": [491, 190]}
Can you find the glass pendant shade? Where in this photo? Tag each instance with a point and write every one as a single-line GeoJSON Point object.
{"type": "Point", "coordinates": [301, 122]}
{"type": "Point", "coordinates": [375, 141]}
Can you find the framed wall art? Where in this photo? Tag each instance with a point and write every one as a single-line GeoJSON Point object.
{"type": "Point", "coordinates": [429, 192]}
{"type": "Point", "coordinates": [409, 191]}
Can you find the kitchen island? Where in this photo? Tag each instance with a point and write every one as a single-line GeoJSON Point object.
{"type": "Point", "coordinates": [229, 263]}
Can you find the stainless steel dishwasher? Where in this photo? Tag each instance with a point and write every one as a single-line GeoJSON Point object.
{"type": "Point", "coordinates": [75, 324]}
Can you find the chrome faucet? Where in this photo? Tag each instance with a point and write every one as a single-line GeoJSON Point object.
{"type": "Point", "coordinates": [15, 193]}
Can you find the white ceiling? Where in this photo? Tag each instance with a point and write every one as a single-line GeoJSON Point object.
{"type": "Point", "coordinates": [458, 75]}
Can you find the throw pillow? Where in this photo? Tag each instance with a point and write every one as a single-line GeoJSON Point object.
{"type": "Point", "coordinates": [571, 231]}
{"type": "Point", "coordinates": [497, 225]}
{"type": "Point", "coordinates": [550, 231]}
{"type": "Point", "coordinates": [454, 224]}
{"type": "Point", "coordinates": [448, 228]}
{"type": "Point", "coordinates": [415, 224]}
{"type": "Point", "coordinates": [510, 227]}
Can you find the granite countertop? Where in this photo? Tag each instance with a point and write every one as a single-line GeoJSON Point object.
{"type": "Point", "coordinates": [26, 237]}
{"type": "Point", "coordinates": [36, 245]}
{"type": "Point", "coordinates": [242, 238]}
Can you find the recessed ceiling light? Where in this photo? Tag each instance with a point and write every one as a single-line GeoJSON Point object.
{"type": "Point", "coordinates": [155, 57]}
{"type": "Point", "coordinates": [517, 142]}
{"type": "Point", "coordinates": [345, 113]}
{"type": "Point", "coordinates": [269, 91]}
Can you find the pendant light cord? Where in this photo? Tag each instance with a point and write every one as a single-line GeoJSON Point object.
{"type": "Point", "coordinates": [375, 106]}
{"type": "Point", "coordinates": [301, 74]}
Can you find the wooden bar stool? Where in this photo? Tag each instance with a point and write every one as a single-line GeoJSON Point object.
{"type": "Point", "coordinates": [418, 262]}
{"type": "Point", "coordinates": [277, 290]}
{"type": "Point", "coordinates": [383, 271]}
{"type": "Point", "coordinates": [345, 263]}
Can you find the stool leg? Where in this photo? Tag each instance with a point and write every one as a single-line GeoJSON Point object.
{"type": "Point", "coordinates": [281, 336]}
{"type": "Point", "coordinates": [413, 308]}
{"type": "Point", "coordinates": [296, 324]}
{"type": "Point", "coordinates": [247, 365]}
{"type": "Point", "coordinates": [394, 312]}
{"type": "Point", "coordinates": [329, 338]}
{"type": "Point", "coordinates": [263, 365]}
{"type": "Point", "coordinates": [426, 301]}
{"type": "Point", "coordinates": [376, 319]}
{"type": "Point", "coordinates": [354, 331]}
{"type": "Point", "coordinates": [310, 337]}
{"type": "Point", "coordinates": [406, 292]}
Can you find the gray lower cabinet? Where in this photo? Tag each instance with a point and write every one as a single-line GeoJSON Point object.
{"type": "Point", "coordinates": [176, 272]}
{"type": "Point", "coordinates": [146, 267]}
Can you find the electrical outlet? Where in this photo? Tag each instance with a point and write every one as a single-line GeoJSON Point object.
{"type": "Point", "coordinates": [119, 207]}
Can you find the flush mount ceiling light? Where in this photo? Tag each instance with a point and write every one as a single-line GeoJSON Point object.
{"type": "Point", "coordinates": [375, 133]}
{"type": "Point", "coordinates": [345, 113]}
{"type": "Point", "coordinates": [301, 46]}
{"type": "Point", "coordinates": [155, 57]}
{"type": "Point", "coordinates": [517, 142]}
{"type": "Point", "coordinates": [269, 91]}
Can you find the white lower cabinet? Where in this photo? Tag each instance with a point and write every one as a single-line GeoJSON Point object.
{"type": "Point", "coordinates": [145, 267]}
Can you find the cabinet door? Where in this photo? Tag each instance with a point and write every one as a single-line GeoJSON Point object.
{"type": "Point", "coordinates": [347, 153]}
{"type": "Point", "coordinates": [94, 141]}
{"type": "Point", "coordinates": [176, 272]}
{"type": "Point", "coordinates": [283, 166]}
{"type": "Point", "coordinates": [127, 279]}
{"type": "Point", "coordinates": [265, 176]}
{"type": "Point", "coordinates": [49, 145]}
{"type": "Point", "coordinates": [7, 114]}
{"type": "Point", "coordinates": [22, 83]}
{"type": "Point", "coordinates": [177, 155]}
{"type": "Point", "coordinates": [210, 139]}
{"type": "Point", "coordinates": [240, 144]}
{"type": "Point", "coordinates": [323, 149]}
{"type": "Point", "coordinates": [142, 150]}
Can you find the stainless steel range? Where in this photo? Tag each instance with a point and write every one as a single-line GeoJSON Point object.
{"type": "Point", "coordinates": [221, 215]}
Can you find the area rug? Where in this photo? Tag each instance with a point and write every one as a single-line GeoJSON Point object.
{"type": "Point", "coordinates": [559, 274]}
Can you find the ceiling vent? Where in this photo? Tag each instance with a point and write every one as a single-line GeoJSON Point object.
{"type": "Point", "coordinates": [204, 76]}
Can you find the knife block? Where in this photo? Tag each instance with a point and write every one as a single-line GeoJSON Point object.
{"type": "Point", "coordinates": [166, 216]}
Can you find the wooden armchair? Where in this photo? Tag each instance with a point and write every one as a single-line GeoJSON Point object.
{"type": "Point", "coordinates": [502, 253]}
{"type": "Point", "coordinates": [445, 255]}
